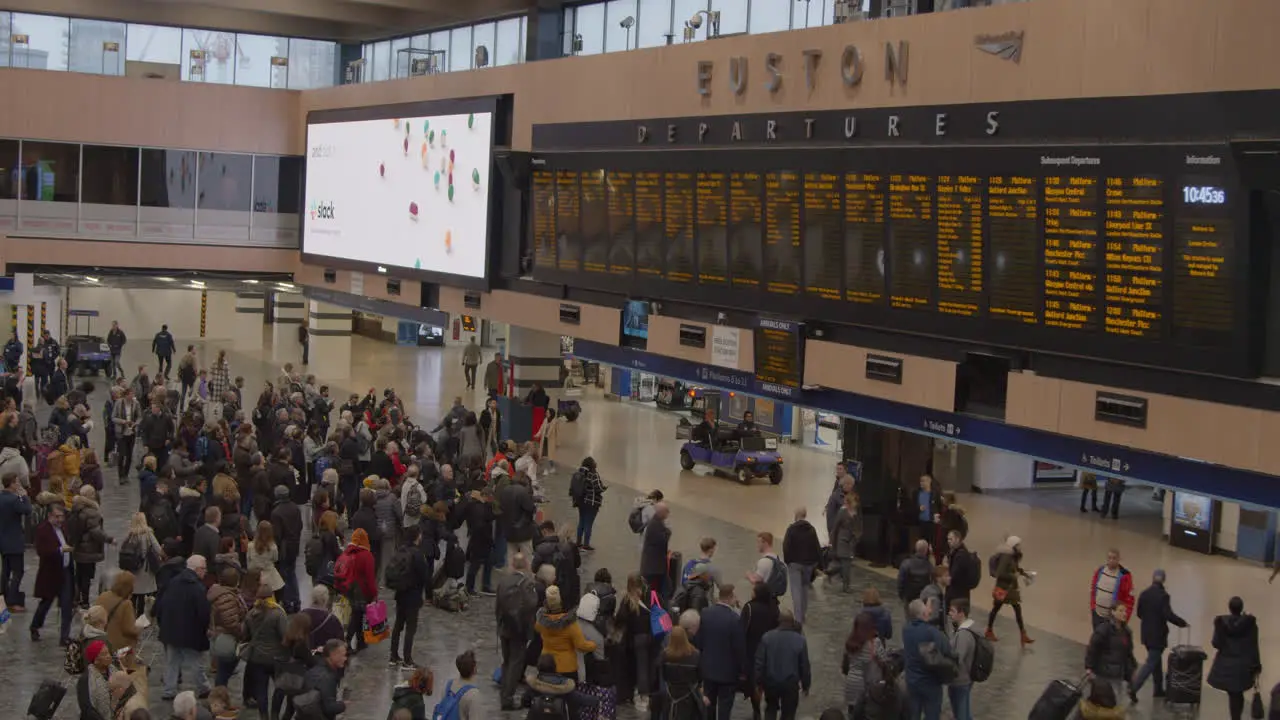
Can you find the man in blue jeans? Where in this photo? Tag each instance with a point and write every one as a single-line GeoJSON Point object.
{"type": "Point", "coordinates": [1155, 612]}
{"type": "Point", "coordinates": [182, 611]}
{"type": "Point", "coordinates": [925, 686]}
{"type": "Point", "coordinates": [964, 640]}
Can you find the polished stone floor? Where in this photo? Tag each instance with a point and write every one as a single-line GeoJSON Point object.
{"type": "Point", "coordinates": [636, 450]}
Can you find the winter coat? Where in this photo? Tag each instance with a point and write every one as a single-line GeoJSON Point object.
{"type": "Point", "coordinates": [228, 611]}
{"type": "Point", "coordinates": [854, 669]}
{"type": "Point", "coordinates": [183, 612]}
{"type": "Point", "coordinates": [1155, 611]}
{"type": "Point", "coordinates": [363, 581]}
{"type": "Point", "coordinates": [155, 430]}
{"type": "Point", "coordinates": [387, 511]}
{"type": "Point", "coordinates": [653, 551]}
{"type": "Point", "coordinates": [11, 461]}
{"type": "Point", "coordinates": [265, 564]}
{"type": "Point", "coordinates": [479, 518]}
{"type": "Point", "coordinates": [1110, 652]}
{"type": "Point", "coordinates": [1089, 711]}
{"type": "Point", "coordinates": [845, 532]}
{"type": "Point", "coordinates": [800, 544]}
{"type": "Point", "coordinates": [562, 638]}
{"type": "Point", "coordinates": [518, 510]}
{"type": "Point", "coordinates": [553, 550]}
{"type": "Point", "coordinates": [49, 572]}
{"type": "Point", "coordinates": [12, 509]}
{"type": "Point", "coordinates": [412, 497]}
{"type": "Point", "coordinates": [883, 619]}
{"type": "Point", "coordinates": [91, 474]}
{"type": "Point", "coordinates": [144, 579]}
{"type": "Point", "coordinates": [469, 443]}
{"type": "Point", "coordinates": [324, 680]}
{"type": "Point", "coordinates": [1008, 568]}
{"type": "Point", "coordinates": [264, 629]}
{"type": "Point", "coordinates": [122, 629]}
{"type": "Point", "coordinates": [758, 617]}
{"type": "Point", "coordinates": [86, 519]}
{"type": "Point", "coordinates": [1238, 661]}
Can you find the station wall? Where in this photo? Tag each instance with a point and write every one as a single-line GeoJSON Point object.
{"type": "Point", "coordinates": [142, 312]}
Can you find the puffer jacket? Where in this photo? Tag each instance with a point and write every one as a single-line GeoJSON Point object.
{"type": "Point", "coordinates": [412, 495]}
{"type": "Point", "coordinates": [1238, 661]}
{"type": "Point", "coordinates": [1110, 652]}
{"type": "Point", "coordinates": [387, 511]}
{"type": "Point", "coordinates": [11, 462]}
{"type": "Point", "coordinates": [228, 610]}
{"type": "Point", "coordinates": [562, 639]}
{"type": "Point", "coordinates": [86, 521]}
{"type": "Point", "coordinates": [264, 629]}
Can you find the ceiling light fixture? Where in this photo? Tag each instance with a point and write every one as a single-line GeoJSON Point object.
{"type": "Point", "coordinates": [288, 286]}
{"type": "Point", "coordinates": [197, 284]}
{"type": "Point", "coordinates": [252, 282]}
{"type": "Point", "coordinates": [166, 279]}
{"type": "Point", "coordinates": [91, 279]}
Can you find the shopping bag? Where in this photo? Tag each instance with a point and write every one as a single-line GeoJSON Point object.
{"type": "Point", "coordinates": [376, 613]}
{"type": "Point", "coordinates": [659, 619]}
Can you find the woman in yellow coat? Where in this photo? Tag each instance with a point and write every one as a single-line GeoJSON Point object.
{"type": "Point", "coordinates": [562, 637]}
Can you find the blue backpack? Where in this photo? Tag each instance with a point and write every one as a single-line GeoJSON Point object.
{"type": "Point", "coordinates": [324, 462]}
{"type": "Point", "coordinates": [448, 707]}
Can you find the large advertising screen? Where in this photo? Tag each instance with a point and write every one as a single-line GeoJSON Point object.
{"type": "Point", "coordinates": [404, 192]}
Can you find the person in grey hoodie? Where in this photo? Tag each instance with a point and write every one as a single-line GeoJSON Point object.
{"type": "Point", "coordinates": [964, 641]}
{"type": "Point", "coordinates": [934, 595]}
{"type": "Point", "coordinates": [782, 667]}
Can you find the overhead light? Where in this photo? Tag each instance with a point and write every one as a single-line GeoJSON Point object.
{"type": "Point", "coordinates": [382, 269]}
{"type": "Point", "coordinates": [91, 279]}
{"type": "Point", "coordinates": [197, 284]}
{"type": "Point", "coordinates": [288, 286]}
{"type": "Point", "coordinates": [166, 279]}
{"type": "Point", "coordinates": [252, 282]}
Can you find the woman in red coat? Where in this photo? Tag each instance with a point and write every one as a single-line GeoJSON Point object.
{"type": "Point", "coordinates": [55, 578]}
{"type": "Point", "coordinates": [354, 577]}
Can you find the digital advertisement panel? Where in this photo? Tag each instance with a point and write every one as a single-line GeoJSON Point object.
{"type": "Point", "coordinates": [403, 192]}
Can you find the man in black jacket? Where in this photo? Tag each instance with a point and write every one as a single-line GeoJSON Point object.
{"type": "Point", "coordinates": [1155, 611]}
{"type": "Point", "coordinates": [163, 346]}
{"type": "Point", "coordinates": [286, 522]}
{"type": "Point", "coordinates": [966, 569]}
{"type": "Point", "coordinates": [182, 611]}
{"type": "Point", "coordinates": [515, 502]}
{"type": "Point", "coordinates": [156, 430]}
{"type": "Point", "coordinates": [802, 552]}
{"type": "Point", "coordinates": [515, 609]}
{"type": "Point", "coordinates": [723, 662]}
{"type": "Point", "coordinates": [407, 569]}
{"type": "Point", "coordinates": [1109, 657]}
{"type": "Point", "coordinates": [323, 679]}
{"type": "Point", "coordinates": [653, 551]}
{"type": "Point", "coordinates": [115, 343]}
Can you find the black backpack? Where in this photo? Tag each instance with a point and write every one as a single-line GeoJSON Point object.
{"type": "Point", "coordinates": [577, 488]}
{"type": "Point", "coordinates": [312, 555]}
{"type": "Point", "coordinates": [917, 580]}
{"type": "Point", "coordinates": [455, 560]}
{"type": "Point", "coordinates": [984, 657]}
{"type": "Point", "coordinates": [399, 573]}
{"type": "Point", "coordinates": [777, 580]}
{"type": "Point", "coordinates": [548, 707]}
{"type": "Point", "coordinates": [132, 559]}
{"type": "Point", "coordinates": [635, 519]}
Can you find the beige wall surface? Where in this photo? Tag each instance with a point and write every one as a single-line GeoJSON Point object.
{"type": "Point", "coordinates": [926, 382]}
{"type": "Point", "coordinates": [74, 107]}
{"type": "Point", "coordinates": [48, 251]}
{"type": "Point", "coordinates": [664, 339]}
{"type": "Point", "coordinates": [598, 324]}
{"type": "Point", "coordinates": [1072, 48]}
{"type": "Point", "coordinates": [372, 285]}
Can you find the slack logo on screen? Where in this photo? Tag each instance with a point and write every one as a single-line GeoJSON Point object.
{"type": "Point", "coordinates": [322, 211]}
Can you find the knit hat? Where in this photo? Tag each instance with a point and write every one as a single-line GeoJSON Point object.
{"type": "Point", "coordinates": [360, 538]}
{"type": "Point", "coordinates": [281, 492]}
{"type": "Point", "coordinates": [589, 607]}
{"type": "Point", "coordinates": [554, 603]}
{"type": "Point", "coordinates": [1013, 541]}
{"type": "Point", "coordinates": [95, 648]}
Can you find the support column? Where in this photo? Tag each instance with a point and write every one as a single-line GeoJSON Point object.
{"type": "Point", "coordinates": [289, 310]}
{"type": "Point", "coordinates": [534, 357]}
{"type": "Point", "coordinates": [330, 327]}
{"type": "Point", "coordinates": [250, 314]}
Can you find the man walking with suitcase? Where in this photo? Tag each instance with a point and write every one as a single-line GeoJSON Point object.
{"type": "Point", "coordinates": [1155, 611]}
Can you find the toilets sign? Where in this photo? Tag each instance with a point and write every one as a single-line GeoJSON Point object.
{"type": "Point", "coordinates": [1107, 464]}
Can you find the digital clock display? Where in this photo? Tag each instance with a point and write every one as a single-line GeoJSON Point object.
{"type": "Point", "coordinates": [1203, 195]}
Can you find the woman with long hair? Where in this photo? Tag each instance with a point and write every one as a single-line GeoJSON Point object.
{"type": "Point", "coordinates": [679, 671]}
{"type": "Point", "coordinates": [297, 643]}
{"type": "Point", "coordinates": [635, 671]}
{"type": "Point", "coordinates": [122, 629]}
{"type": "Point", "coordinates": [265, 629]}
{"type": "Point", "coordinates": [142, 540]}
{"type": "Point", "coordinates": [860, 650]}
{"type": "Point", "coordinates": [262, 556]}
{"type": "Point", "coordinates": [1006, 592]}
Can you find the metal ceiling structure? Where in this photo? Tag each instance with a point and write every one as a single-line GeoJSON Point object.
{"type": "Point", "coordinates": [226, 282]}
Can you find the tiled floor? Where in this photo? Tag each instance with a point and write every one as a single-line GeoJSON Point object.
{"type": "Point", "coordinates": [636, 450]}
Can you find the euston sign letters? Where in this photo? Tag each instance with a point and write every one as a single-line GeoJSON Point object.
{"type": "Point", "coordinates": [852, 69]}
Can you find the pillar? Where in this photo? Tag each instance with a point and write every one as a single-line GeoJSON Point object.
{"type": "Point", "coordinates": [289, 310]}
{"type": "Point", "coordinates": [534, 357]}
{"type": "Point", "coordinates": [249, 317]}
{"type": "Point", "coordinates": [330, 327]}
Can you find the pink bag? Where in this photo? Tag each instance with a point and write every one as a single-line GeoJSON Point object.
{"type": "Point", "coordinates": [375, 613]}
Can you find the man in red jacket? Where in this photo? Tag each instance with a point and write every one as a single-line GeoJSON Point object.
{"type": "Point", "coordinates": [1112, 586]}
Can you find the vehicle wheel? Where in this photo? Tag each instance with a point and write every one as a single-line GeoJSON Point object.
{"type": "Point", "coordinates": [775, 474]}
{"type": "Point", "coordinates": [571, 414]}
{"type": "Point", "coordinates": [686, 460]}
{"type": "Point", "coordinates": [744, 475]}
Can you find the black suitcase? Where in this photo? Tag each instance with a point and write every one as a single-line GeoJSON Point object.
{"type": "Point", "coordinates": [46, 700]}
{"type": "Point", "coordinates": [1186, 675]}
{"type": "Point", "coordinates": [1058, 701]}
{"type": "Point", "coordinates": [675, 566]}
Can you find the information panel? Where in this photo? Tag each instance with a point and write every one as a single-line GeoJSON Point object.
{"type": "Point", "coordinates": [911, 241]}
{"type": "Point", "coordinates": [779, 355]}
{"type": "Point", "coordinates": [1203, 243]}
{"type": "Point", "coordinates": [960, 254]}
{"type": "Point", "coordinates": [1071, 252]}
{"type": "Point", "coordinates": [568, 221]}
{"type": "Point", "coordinates": [746, 229]}
{"type": "Point", "coordinates": [1134, 233]}
{"type": "Point", "coordinates": [1013, 214]}
{"type": "Point", "coordinates": [782, 232]}
{"type": "Point", "coordinates": [678, 225]}
{"type": "Point", "coordinates": [544, 219]}
{"type": "Point", "coordinates": [823, 241]}
{"type": "Point", "coordinates": [649, 224]}
{"type": "Point", "coordinates": [864, 228]}
{"type": "Point", "coordinates": [622, 221]}
{"type": "Point", "coordinates": [595, 223]}
{"type": "Point", "coordinates": [713, 232]}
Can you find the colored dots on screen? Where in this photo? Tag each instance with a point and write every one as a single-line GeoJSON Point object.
{"type": "Point", "coordinates": [413, 211]}
{"type": "Point", "coordinates": [451, 158]}
{"type": "Point", "coordinates": [450, 193]}
{"type": "Point", "coordinates": [448, 240]}
{"type": "Point", "coordinates": [471, 120]}
{"type": "Point", "coordinates": [406, 145]}
{"type": "Point", "coordinates": [382, 170]}
{"type": "Point", "coordinates": [417, 263]}
{"type": "Point", "coordinates": [437, 180]}
{"type": "Point", "coordinates": [475, 176]}
{"type": "Point", "coordinates": [431, 137]}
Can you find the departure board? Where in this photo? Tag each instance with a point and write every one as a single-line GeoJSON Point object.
{"type": "Point", "coordinates": [622, 221]}
{"type": "Point", "coordinates": [713, 231]}
{"type": "Point", "coordinates": [544, 219]}
{"type": "Point", "coordinates": [960, 252]}
{"type": "Point", "coordinates": [864, 228]}
{"type": "Point", "coordinates": [1071, 256]}
{"type": "Point", "coordinates": [779, 354]}
{"type": "Point", "coordinates": [1203, 307]}
{"type": "Point", "coordinates": [1134, 233]}
{"type": "Point", "coordinates": [595, 223]}
{"type": "Point", "coordinates": [568, 221]}
{"type": "Point", "coordinates": [782, 232]}
{"type": "Point", "coordinates": [823, 240]}
{"type": "Point", "coordinates": [678, 226]}
{"type": "Point", "coordinates": [911, 241]}
{"type": "Point", "coordinates": [1013, 248]}
{"type": "Point", "coordinates": [746, 229]}
{"type": "Point", "coordinates": [649, 229]}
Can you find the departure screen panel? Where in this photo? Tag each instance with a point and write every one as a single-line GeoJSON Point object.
{"type": "Point", "coordinates": [568, 221]}
{"type": "Point", "coordinates": [713, 230]}
{"type": "Point", "coordinates": [595, 223]}
{"type": "Point", "coordinates": [678, 225]}
{"type": "Point", "coordinates": [622, 221]}
{"type": "Point", "coordinates": [823, 235]}
{"type": "Point", "coordinates": [544, 219]}
{"type": "Point", "coordinates": [1134, 233]}
{"type": "Point", "coordinates": [1013, 236]}
{"type": "Point", "coordinates": [779, 353]}
{"type": "Point", "coordinates": [911, 242]}
{"type": "Point", "coordinates": [864, 228]}
{"type": "Point", "coordinates": [1071, 256]}
{"type": "Point", "coordinates": [960, 245]}
{"type": "Point", "coordinates": [649, 224]}
{"type": "Point", "coordinates": [782, 232]}
{"type": "Point", "coordinates": [746, 229]}
{"type": "Point", "coordinates": [1203, 243]}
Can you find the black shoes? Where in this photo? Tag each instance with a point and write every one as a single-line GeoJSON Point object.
{"type": "Point", "coordinates": [35, 635]}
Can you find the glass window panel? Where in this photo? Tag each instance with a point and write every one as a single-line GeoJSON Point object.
{"type": "Point", "coordinates": [460, 49]}
{"type": "Point", "coordinates": [483, 34]}
{"type": "Point", "coordinates": [6, 30]}
{"type": "Point", "coordinates": [380, 68]}
{"type": "Point", "coordinates": [507, 47]}
{"type": "Point", "coordinates": [617, 37]}
{"type": "Point", "coordinates": [46, 47]}
{"type": "Point", "coordinates": [255, 64]}
{"type": "Point", "coordinates": [654, 23]}
{"type": "Point", "coordinates": [217, 65]}
{"type": "Point", "coordinates": [8, 184]}
{"type": "Point", "coordinates": [399, 60]}
{"type": "Point", "coordinates": [109, 191]}
{"type": "Point", "coordinates": [769, 16]}
{"type": "Point", "coordinates": [524, 38]}
{"type": "Point", "coordinates": [226, 194]}
{"type": "Point", "coordinates": [733, 15]}
{"type": "Point", "coordinates": [88, 47]}
{"type": "Point", "coordinates": [440, 43]}
{"type": "Point", "coordinates": [805, 14]}
{"type": "Point", "coordinates": [49, 186]}
{"type": "Point", "coordinates": [590, 25]}
{"type": "Point", "coordinates": [153, 43]}
{"type": "Point", "coordinates": [312, 63]}
{"type": "Point", "coordinates": [168, 196]}
{"type": "Point", "coordinates": [569, 30]}
{"type": "Point", "coordinates": [277, 199]}
{"type": "Point", "coordinates": [420, 42]}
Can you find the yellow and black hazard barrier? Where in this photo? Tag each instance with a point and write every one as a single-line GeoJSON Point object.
{"type": "Point", "coordinates": [31, 334]}
{"type": "Point", "coordinates": [204, 310]}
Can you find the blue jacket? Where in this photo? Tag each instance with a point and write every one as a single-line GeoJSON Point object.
{"type": "Point", "coordinates": [723, 646]}
{"type": "Point", "coordinates": [12, 508]}
{"type": "Point", "coordinates": [915, 634]}
{"type": "Point", "coordinates": [884, 621]}
{"type": "Point", "coordinates": [182, 610]}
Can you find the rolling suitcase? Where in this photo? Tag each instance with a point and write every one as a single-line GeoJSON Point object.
{"type": "Point", "coordinates": [1058, 701]}
{"type": "Point", "coordinates": [1185, 678]}
{"type": "Point", "coordinates": [675, 567]}
{"type": "Point", "coordinates": [46, 700]}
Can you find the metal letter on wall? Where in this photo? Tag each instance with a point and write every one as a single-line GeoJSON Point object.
{"type": "Point", "coordinates": [895, 62]}
{"type": "Point", "coordinates": [851, 66]}
{"type": "Point", "coordinates": [771, 62]}
{"type": "Point", "coordinates": [811, 58]}
{"type": "Point", "coordinates": [738, 75]}
{"type": "Point", "coordinates": [704, 77]}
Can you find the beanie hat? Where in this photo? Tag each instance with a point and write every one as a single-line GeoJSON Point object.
{"type": "Point", "coordinates": [95, 648]}
{"type": "Point", "coordinates": [360, 538]}
{"type": "Point", "coordinates": [589, 607]}
{"type": "Point", "coordinates": [554, 603]}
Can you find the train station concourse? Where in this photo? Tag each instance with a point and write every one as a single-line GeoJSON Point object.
{"type": "Point", "coordinates": [1008, 268]}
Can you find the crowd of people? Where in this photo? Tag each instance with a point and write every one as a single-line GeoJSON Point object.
{"type": "Point", "coordinates": [232, 498]}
